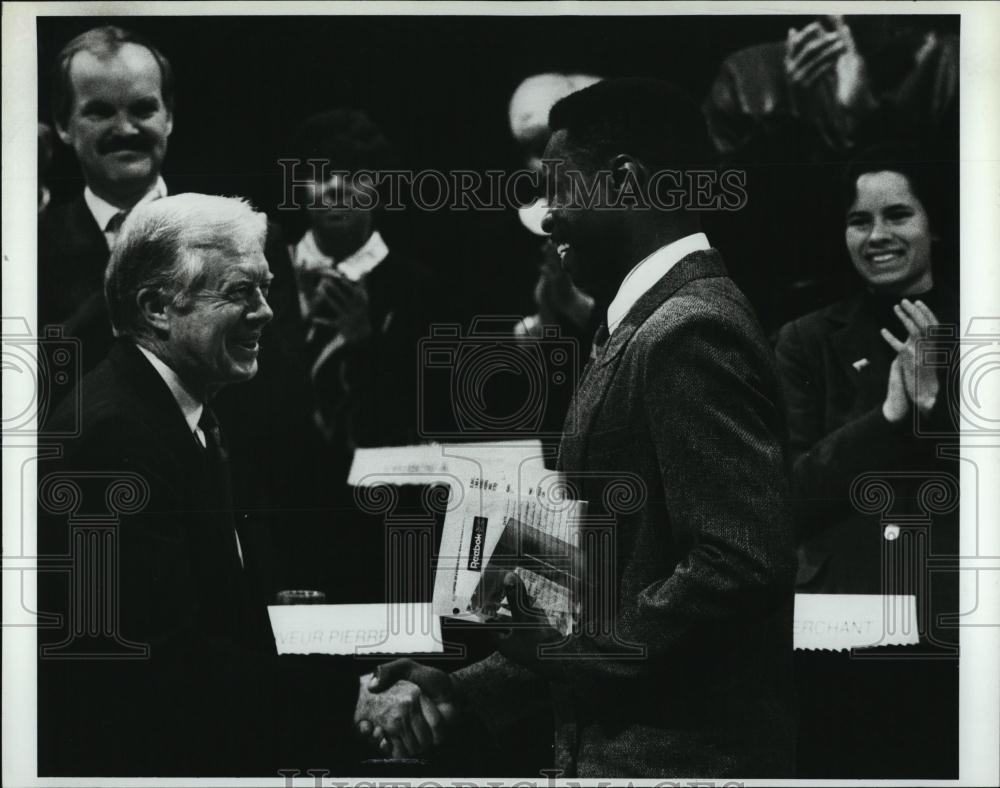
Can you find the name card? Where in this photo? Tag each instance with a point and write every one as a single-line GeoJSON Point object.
{"type": "Point", "coordinates": [444, 463]}
{"type": "Point", "coordinates": [839, 622]}
{"type": "Point", "coordinates": [356, 629]}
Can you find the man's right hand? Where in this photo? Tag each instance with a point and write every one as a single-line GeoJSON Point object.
{"type": "Point", "coordinates": [392, 733]}
{"type": "Point", "coordinates": [399, 710]}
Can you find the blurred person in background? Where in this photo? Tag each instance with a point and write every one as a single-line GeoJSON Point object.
{"type": "Point", "coordinates": [562, 306]}
{"type": "Point", "coordinates": [559, 301]}
{"type": "Point", "coordinates": [362, 302]}
{"type": "Point", "coordinates": [45, 139]}
{"type": "Point", "coordinates": [844, 81]}
{"type": "Point", "coordinates": [365, 309]}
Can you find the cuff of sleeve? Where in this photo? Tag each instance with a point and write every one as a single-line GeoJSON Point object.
{"type": "Point", "coordinates": [893, 430]}
{"type": "Point", "coordinates": [497, 692]}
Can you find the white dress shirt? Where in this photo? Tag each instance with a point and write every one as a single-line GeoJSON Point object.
{"type": "Point", "coordinates": [190, 406]}
{"type": "Point", "coordinates": [103, 211]}
{"type": "Point", "coordinates": [307, 256]}
{"type": "Point", "coordinates": [648, 272]}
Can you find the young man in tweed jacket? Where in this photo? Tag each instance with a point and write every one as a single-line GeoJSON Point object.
{"type": "Point", "coordinates": [682, 665]}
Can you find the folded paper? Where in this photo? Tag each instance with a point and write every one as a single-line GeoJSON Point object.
{"type": "Point", "coordinates": [839, 622]}
{"type": "Point", "coordinates": [516, 519]}
{"type": "Point", "coordinates": [439, 463]}
{"type": "Point", "coordinates": [404, 628]}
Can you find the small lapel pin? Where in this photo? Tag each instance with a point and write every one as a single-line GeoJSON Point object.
{"type": "Point", "coordinates": [860, 364]}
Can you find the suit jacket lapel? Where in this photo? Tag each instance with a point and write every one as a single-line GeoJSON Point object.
{"type": "Point", "coordinates": [853, 342]}
{"type": "Point", "coordinates": [72, 256]}
{"type": "Point", "coordinates": [164, 415]}
{"type": "Point", "coordinates": [597, 377]}
{"type": "Point", "coordinates": [697, 265]}
{"type": "Point", "coordinates": [84, 227]}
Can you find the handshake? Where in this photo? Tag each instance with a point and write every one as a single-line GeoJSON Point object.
{"type": "Point", "coordinates": [405, 708]}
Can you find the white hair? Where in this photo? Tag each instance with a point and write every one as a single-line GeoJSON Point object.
{"type": "Point", "coordinates": [536, 95]}
{"type": "Point", "coordinates": [161, 245]}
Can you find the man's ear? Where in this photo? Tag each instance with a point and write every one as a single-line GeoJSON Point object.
{"type": "Point", "coordinates": [628, 179]}
{"type": "Point", "coordinates": [153, 305]}
{"type": "Point", "coordinates": [170, 123]}
{"type": "Point", "coordinates": [64, 135]}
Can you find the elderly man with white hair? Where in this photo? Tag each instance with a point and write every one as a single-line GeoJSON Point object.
{"type": "Point", "coordinates": [180, 675]}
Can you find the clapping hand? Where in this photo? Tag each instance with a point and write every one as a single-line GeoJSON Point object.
{"type": "Point", "coordinates": [814, 51]}
{"type": "Point", "coordinates": [338, 302]}
{"type": "Point", "coordinates": [405, 708]}
{"type": "Point", "coordinates": [811, 52]}
{"type": "Point", "coordinates": [911, 383]}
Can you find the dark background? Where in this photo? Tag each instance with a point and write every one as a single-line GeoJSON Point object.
{"type": "Point", "coordinates": [439, 87]}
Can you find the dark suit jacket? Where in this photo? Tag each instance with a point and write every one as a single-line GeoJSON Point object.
{"type": "Point", "coordinates": [677, 446]}
{"type": "Point", "coordinates": [209, 698]}
{"type": "Point", "coordinates": [272, 410]}
{"type": "Point", "coordinates": [72, 256]}
{"type": "Point", "coordinates": [839, 437]}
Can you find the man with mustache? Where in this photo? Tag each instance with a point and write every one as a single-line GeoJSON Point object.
{"type": "Point", "coordinates": [112, 103]}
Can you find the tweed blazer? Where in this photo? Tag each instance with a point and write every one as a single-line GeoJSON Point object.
{"type": "Point", "coordinates": [675, 438]}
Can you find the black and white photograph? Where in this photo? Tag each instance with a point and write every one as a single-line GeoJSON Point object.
{"type": "Point", "coordinates": [532, 394]}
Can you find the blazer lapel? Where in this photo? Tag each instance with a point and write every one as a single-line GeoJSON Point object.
{"type": "Point", "coordinates": [586, 404]}
{"type": "Point", "coordinates": [697, 265]}
{"type": "Point", "coordinates": [84, 227]}
{"type": "Point", "coordinates": [853, 343]}
{"type": "Point", "coordinates": [162, 413]}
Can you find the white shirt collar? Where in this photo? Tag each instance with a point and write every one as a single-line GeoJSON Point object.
{"type": "Point", "coordinates": [648, 272]}
{"type": "Point", "coordinates": [103, 211]}
{"type": "Point", "coordinates": [189, 405]}
{"type": "Point", "coordinates": [307, 255]}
